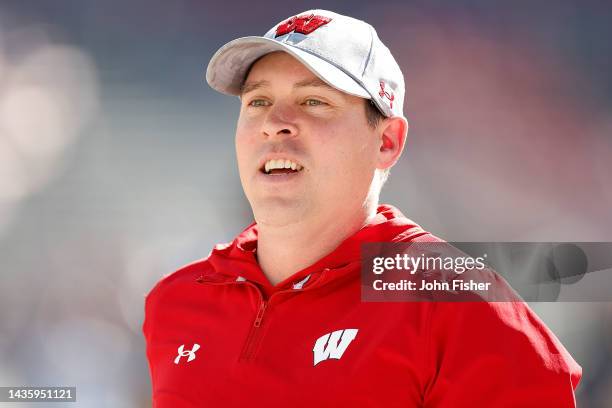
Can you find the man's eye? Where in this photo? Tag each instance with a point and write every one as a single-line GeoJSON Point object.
{"type": "Point", "coordinates": [258, 102]}
{"type": "Point", "coordinates": [314, 102]}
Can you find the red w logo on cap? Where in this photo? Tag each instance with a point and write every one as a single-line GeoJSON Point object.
{"type": "Point", "coordinates": [305, 24]}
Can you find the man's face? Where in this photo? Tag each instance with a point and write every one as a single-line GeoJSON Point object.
{"type": "Point", "coordinates": [288, 113]}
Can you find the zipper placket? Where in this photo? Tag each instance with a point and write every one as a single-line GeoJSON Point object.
{"type": "Point", "coordinates": [248, 350]}
{"type": "Point", "coordinates": [260, 313]}
{"type": "Point", "coordinates": [263, 304]}
{"type": "Point", "coordinates": [252, 340]}
{"type": "Point", "coordinates": [254, 337]}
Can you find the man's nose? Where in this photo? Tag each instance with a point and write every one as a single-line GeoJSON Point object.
{"type": "Point", "coordinates": [280, 121]}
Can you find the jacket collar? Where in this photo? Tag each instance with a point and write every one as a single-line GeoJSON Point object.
{"type": "Point", "coordinates": [237, 260]}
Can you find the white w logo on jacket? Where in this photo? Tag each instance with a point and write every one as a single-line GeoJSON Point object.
{"type": "Point", "coordinates": [333, 345]}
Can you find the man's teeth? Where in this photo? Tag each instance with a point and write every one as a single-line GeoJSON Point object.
{"type": "Point", "coordinates": [281, 164]}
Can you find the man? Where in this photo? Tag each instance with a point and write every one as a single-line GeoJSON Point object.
{"type": "Point", "coordinates": [275, 317]}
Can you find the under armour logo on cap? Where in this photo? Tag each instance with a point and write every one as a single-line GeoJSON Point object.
{"type": "Point", "coordinates": [388, 95]}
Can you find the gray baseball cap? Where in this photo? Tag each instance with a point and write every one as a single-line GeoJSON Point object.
{"type": "Point", "coordinates": [343, 51]}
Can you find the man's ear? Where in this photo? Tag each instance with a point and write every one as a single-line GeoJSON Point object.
{"type": "Point", "coordinates": [392, 132]}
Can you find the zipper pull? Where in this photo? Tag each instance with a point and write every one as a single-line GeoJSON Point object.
{"type": "Point", "coordinates": [260, 313]}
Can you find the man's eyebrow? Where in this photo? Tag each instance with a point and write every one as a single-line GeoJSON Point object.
{"type": "Point", "coordinates": [314, 82]}
{"type": "Point", "coordinates": [251, 86]}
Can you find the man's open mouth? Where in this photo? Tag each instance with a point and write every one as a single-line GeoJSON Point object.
{"type": "Point", "coordinates": [280, 166]}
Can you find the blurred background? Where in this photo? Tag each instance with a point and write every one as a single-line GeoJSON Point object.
{"type": "Point", "coordinates": [117, 162]}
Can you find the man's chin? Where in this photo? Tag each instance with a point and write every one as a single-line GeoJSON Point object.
{"type": "Point", "coordinates": [278, 212]}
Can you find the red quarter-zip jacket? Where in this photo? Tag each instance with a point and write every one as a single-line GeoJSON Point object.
{"type": "Point", "coordinates": [218, 334]}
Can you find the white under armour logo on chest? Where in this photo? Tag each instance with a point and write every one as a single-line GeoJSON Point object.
{"type": "Point", "coordinates": [190, 354]}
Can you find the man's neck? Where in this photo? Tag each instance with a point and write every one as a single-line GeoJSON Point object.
{"type": "Point", "coordinates": [285, 250]}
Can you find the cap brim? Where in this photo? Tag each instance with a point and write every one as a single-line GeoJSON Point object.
{"type": "Point", "coordinates": [227, 68]}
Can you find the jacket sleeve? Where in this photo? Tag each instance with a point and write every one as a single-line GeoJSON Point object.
{"type": "Point", "coordinates": [497, 354]}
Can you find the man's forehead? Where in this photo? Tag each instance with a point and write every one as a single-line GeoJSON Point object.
{"type": "Point", "coordinates": [250, 85]}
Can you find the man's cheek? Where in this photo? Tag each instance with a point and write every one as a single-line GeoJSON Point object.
{"type": "Point", "coordinates": [245, 142]}
{"type": "Point", "coordinates": [243, 155]}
